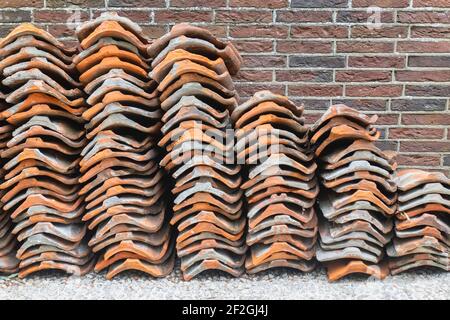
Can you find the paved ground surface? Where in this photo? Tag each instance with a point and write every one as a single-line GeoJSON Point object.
{"type": "Point", "coordinates": [278, 284]}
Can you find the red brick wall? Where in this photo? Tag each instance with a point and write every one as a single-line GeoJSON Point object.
{"type": "Point", "coordinates": [315, 51]}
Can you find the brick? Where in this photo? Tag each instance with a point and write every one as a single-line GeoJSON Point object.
{"type": "Point", "coordinates": [430, 32]}
{"type": "Point", "coordinates": [428, 90]}
{"type": "Point", "coordinates": [431, 3]}
{"type": "Point", "coordinates": [259, 31]}
{"type": "Point", "coordinates": [425, 146]}
{"type": "Point", "coordinates": [138, 16]}
{"type": "Point", "coordinates": [384, 32]}
{"type": "Point", "coordinates": [5, 29]}
{"type": "Point", "coordinates": [416, 133]}
{"type": "Point", "coordinates": [255, 46]}
{"type": "Point", "coordinates": [58, 16]}
{"type": "Point", "coordinates": [243, 16]}
{"type": "Point", "coordinates": [21, 3]}
{"type": "Point", "coordinates": [423, 76]}
{"type": "Point", "coordinates": [429, 61]}
{"type": "Point", "coordinates": [362, 16]}
{"type": "Point", "coordinates": [153, 32]}
{"type": "Point", "coordinates": [311, 118]}
{"type": "Point", "coordinates": [362, 76]}
{"type": "Point", "coordinates": [380, 3]}
{"type": "Point", "coordinates": [15, 16]}
{"type": "Point", "coordinates": [319, 3]}
{"type": "Point", "coordinates": [388, 119]}
{"type": "Point", "coordinates": [198, 3]}
{"type": "Point", "coordinates": [373, 90]}
{"type": "Point", "coordinates": [418, 160]}
{"type": "Point", "coordinates": [216, 30]}
{"type": "Point", "coordinates": [171, 16]}
{"type": "Point", "coordinates": [254, 76]}
{"type": "Point", "coordinates": [273, 4]}
{"type": "Point", "coordinates": [383, 132]}
{"type": "Point", "coordinates": [447, 160]}
{"type": "Point", "coordinates": [387, 145]}
{"type": "Point", "coordinates": [304, 16]}
{"type": "Point", "coordinates": [312, 104]}
{"type": "Point", "coordinates": [248, 90]}
{"type": "Point", "coordinates": [423, 46]}
{"type": "Point", "coordinates": [304, 46]}
{"type": "Point", "coordinates": [137, 3]}
{"type": "Point", "coordinates": [61, 30]}
{"type": "Point", "coordinates": [423, 17]}
{"type": "Point", "coordinates": [319, 32]}
{"type": "Point", "coordinates": [355, 46]}
{"type": "Point", "coordinates": [76, 3]}
{"type": "Point", "coordinates": [364, 104]}
{"type": "Point", "coordinates": [418, 104]}
{"type": "Point", "coordinates": [315, 90]}
{"type": "Point", "coordinates": [376, 62]}
{"type": "Point", "coordinates": [264, 61]}
{"type": "Point", "coordinates": [304, 75]}
{"type": "Point", "coordinates": [426, 119]}
{"type": "Point", "coordinates": [317, 61]}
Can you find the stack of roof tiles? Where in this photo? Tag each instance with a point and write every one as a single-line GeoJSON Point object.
{"type": "Point", "coordinates": [8, 243]}
{"type": "Point", "coordinates": [123, 184]}
{"type": "Point", "coordinates": [422, 226]}
{"type": "Point", "coordinates": [192, 69]}
{"type": "Point", "coordinates": [42, 155]}
{"type": "Point", "coordinates": [281, 187]}
{"type": "Point", "coordinates": [358, 196]}
{"type": "Point", "coordinates": [81, 176]}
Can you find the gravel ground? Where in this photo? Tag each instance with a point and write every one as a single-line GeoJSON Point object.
{"type": "Point", "coordinates": [275, 284]}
